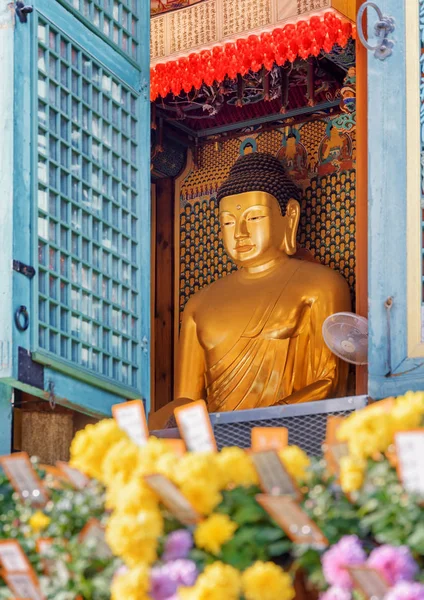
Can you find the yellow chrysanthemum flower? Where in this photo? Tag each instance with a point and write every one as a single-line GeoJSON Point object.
{"type": "Point", "coordinates": [217, 582]}
{"type": "Point", "coordinates": [352, 474]}
{"type": "Point", "coordinates": [154, 451]}
{"type": "Point", "coordinates": [212, 533]}
{"type": "Point", "coordinates": [134, 538]}
{"type": "Point", "coordinates": [39, 521]}
{"type": "Point", "coordinates": [203, 497]}
{"type": "Point", "coordinates": [132, 497]}
{"type": "Point", "coordinates": [199, 466]}
{"type": "Point", "coordinates": [408, 411]}
{"type": "Point", "coordinates": [296, 462]}
{"type": "Point", "coordinates": [90, 446]}
{"type": "Point", "coordinates": [267, 581]}
{"type": "Point", "coordinates": [120, 462]}
{"type": "Point", "coordinates": [368, 432]}
{"type": "Point", "coordinates": [236, 468]}
{"type": "Point", "coordinates": [134, 584]}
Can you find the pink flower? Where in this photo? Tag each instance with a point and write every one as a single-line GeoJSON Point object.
{"type": "Point", "coordinates": [406, 591]}
{"type": "Point", "coordinates": [347, 552]}
{"type": "Point", "coordinates": [336, 593]}
{"type": "Point", "coordinates": [394, 563]}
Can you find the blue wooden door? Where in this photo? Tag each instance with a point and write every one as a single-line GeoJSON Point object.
{"type": "Point", "coordinates": [395, 154]}
{"type": "Point", "coordinates": [77, 328]}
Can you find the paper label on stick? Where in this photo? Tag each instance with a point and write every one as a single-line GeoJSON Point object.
{"type": "Point", "coordinates": [410, 460]}
{"type": "Point", "coordinates": [24, 478]}
{"type": "Point", "coordinates": [293, 520]}
{"type": "Point", "coordinates": [75, 477]}
{"type": "Point", "coordinates": [333, 453]}
{"type": "Point", "coordinates": [13, 558]}
{"type": "Point", "coordinates": [369, 582]}
{"type": "Point", "coordinates": [176, 446]}
{"type": "Point", "coordinates": [195, 427]}
{"type": "Point", "coordinates": [94, 532]}
{"type": "Point", "coordinates": [269, 438]}
{"type": "Point", "coordinates": [333, 424]}
{"type": "Point", "coordinates": [131, 418]}
{"type": "Point", "coordinates": [273, 475]}
{"type": "Point", "coordinates": [23, 585]}
{"type": "Point", "coordinates": [173, 499]}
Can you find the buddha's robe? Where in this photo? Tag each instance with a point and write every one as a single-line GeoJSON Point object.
{"type": "Point", "coordinates": [257, 343]}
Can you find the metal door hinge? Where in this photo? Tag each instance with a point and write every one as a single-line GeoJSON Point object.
{"type": "Point", "coordinates": [145, 345]}
{"type": "Point", "coordinates": [26, 270]}
{"type": "Point", "coordinates": [382, 29]}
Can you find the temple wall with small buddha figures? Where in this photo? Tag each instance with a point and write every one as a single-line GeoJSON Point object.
{"type": "Point", "coordinates": [318, 154]}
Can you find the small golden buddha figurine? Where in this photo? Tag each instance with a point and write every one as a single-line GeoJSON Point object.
{"type": "Point", "coordinates": [254, 338]}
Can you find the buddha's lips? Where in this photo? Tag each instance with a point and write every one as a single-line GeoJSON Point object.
{"type": "Point", "coordinates": [244, 248]}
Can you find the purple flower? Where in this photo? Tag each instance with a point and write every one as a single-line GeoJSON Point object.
{"type": "Point", "coordinates": [406, 591]}
{"type": "Point", "coordinates": [347, 552]}
{"type": "Point", "coordinates": [336, 593]}
{"type": "Point", "coordinates": [183, 571]}
{"type": "Point", "coordinates": [394, 563]}
{"type": "Point", "coordinates": [166, 579]}
{"type": "Point", "coordinates": [178, 545]}
{"type": "Point", "coordinates": [162, 585]}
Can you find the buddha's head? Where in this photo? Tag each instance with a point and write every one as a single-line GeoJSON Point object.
{"type": "Point", "coordinates": [259, 210]}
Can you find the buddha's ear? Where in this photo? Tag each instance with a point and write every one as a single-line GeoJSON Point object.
{"type": "Point", "coordinates": [292, 218]}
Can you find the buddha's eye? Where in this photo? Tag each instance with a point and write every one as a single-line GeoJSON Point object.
{"type": "Point", "coordinates": [227, 223]}
{"type": "Point", "coordinates": [257, 218]}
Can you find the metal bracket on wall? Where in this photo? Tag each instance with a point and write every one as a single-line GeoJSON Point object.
{"type": "Point", "coordinates": [382, 29]}
{"type": "Point", "coordinates": [22, 11]}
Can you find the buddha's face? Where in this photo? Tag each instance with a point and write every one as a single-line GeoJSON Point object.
{"type": "Point", "coordinates": [254, 230]}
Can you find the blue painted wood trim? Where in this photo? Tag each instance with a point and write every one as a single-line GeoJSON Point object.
{"type": "Point", "coordinates": [391, 372]}
{"type": "Point", "coordinates": [145, 200]}
{"type": "Point", "coordinates": [5, 419]}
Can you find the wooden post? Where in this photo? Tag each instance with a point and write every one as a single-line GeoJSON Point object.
{"type": "Point", "coordinates": [164, 295]}
{"type": "Point", "coordinates": [5, 419]}
{"type": "Point", "coordinates": [361, 197]}
{"type": "Point", "coordinates": [6, 218]}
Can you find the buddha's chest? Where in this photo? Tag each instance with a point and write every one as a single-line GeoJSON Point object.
{"type": "Point", "coordinates": [267, 311]}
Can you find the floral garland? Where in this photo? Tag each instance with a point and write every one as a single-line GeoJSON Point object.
{"type": "Point", "coordinates": [300, 40]}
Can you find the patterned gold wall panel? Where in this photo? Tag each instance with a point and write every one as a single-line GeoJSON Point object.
{"type": "Point", "coordinates": [318, 155]}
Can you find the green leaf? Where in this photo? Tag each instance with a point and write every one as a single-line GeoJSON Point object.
{"type": "Point", "coordinates": [279, 548]}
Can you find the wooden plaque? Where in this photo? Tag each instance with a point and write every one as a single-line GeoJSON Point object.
{"type": "Point", "coordinates": [23, 585]}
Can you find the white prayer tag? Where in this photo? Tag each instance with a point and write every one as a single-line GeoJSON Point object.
{"type": "Point", "coordinates": [410, 456]}
{"type": "Point", "coordinates": [24, 479]}
{"type": "Point", "coordinates": [12, 557]}
{"type": "Point", "coordinates": [173, 499]}
{"type": "Point", "coordinates": [369, 581]}
{"type": "Point", "coordinates": [195, 427]}
{"type": "Point", "coordinates": [75, 477]}
{"type": "Point", "coordinates": [131, 418]}
{"type": "Point", "coordinates": [273, 475]}
{"type": "Point", "coordinates": [23, 585]}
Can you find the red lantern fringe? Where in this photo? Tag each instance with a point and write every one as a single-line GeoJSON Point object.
{"type": "Point", "coordinates": [303, 39]}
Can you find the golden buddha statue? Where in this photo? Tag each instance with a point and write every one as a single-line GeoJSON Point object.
{"type": "Point", "coordinates": [254, 338]}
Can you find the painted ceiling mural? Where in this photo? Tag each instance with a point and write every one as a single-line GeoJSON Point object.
{"type": "Point", "coordinates": [160, 6]}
